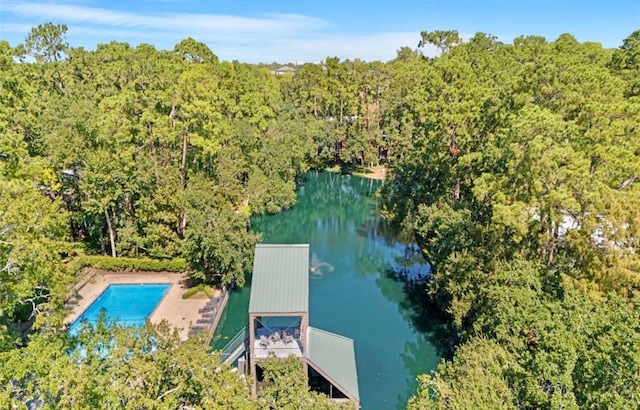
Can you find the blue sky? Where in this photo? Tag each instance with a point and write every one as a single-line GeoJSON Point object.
{"type": "Point", "coordinates": [307, 30]}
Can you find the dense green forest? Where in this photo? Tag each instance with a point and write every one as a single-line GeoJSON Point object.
{"type": "Point", "coordinates": [515, 166]}
{"type": "Point", "coordinates": [520, 185]}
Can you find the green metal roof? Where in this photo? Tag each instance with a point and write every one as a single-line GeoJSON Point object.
{"type": "Point", "coordinates": [280, 282]}
{"type": "Point", "coordinates": [335, 356]}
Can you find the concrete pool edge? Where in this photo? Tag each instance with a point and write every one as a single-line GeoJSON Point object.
{"type": "Point", "coordinates": [165, 292]}
{"type": "Point", "coordinates": [179, 313]}
{"type": "Point", "coordinates": [171, 285]}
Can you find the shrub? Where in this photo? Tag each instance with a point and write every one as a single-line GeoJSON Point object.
{"type": "Point", "coordinates": [196, 289]}
{"type": "Point", "coordinates": [190, 292]}
{"type": "Point", "coordinates": [207, 291]}
{"type": "Point", "coordinates": [143, 264]}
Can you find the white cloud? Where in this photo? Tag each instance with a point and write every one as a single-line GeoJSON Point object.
{"type": "Point", "coordinates": [265, 38]}
{"type": "Point", "coordinates": [177, 22]}
{"type": "Point", "coordinates": [16, 27]}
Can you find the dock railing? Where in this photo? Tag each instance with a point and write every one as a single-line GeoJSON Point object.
{"type": "Point", "coordinates": [235, 345]}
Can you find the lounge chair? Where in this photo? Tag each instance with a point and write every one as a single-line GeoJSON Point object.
{"type": "Point", "coordinates": [264, 342]}
{"type": "Point", "coordinates": [275, 337]}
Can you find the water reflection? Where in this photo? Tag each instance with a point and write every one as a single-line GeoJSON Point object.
{"type": "Point", "coordinates": [361, 288]}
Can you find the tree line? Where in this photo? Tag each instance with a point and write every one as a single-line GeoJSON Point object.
{"type": "Point", "coordinates": [520, 186]}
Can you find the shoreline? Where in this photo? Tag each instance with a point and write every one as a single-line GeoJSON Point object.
{"type": "Point", "coordinates": [377, 173]}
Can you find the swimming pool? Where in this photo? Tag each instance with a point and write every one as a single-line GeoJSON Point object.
{"type": "Point", "coordinates": [129, 305]}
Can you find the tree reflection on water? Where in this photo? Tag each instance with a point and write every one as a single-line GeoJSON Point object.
{"type": "Point", "coordinates": [362, 287]}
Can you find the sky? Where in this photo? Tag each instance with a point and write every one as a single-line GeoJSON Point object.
{"type": "Point", "coordinates": [309, 31]}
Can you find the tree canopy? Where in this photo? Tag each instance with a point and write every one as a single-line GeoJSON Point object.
{"type": "Point", "coordinates": [515, 166]}
{"type": "Point", "coordinates": [520, 185]}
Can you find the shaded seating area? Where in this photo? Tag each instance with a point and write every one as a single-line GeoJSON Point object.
{"type": "Point", "coordinates": [275, 338]}
{"type": "Point", "coordinates": [279, 335]}
{"type": "Point", "coordinates": [279, 332]}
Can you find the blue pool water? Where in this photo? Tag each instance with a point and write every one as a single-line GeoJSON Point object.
{"type": "Point", "coordinates": [129, 305]}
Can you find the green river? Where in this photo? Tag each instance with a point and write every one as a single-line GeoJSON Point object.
{"type": "Point", "coordinates": [353, 291]}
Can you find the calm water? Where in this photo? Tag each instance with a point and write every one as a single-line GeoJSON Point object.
{"type": "Point", "coordinates": [351, 290]}
{"type": "Point", "coordinates": [130, 305]}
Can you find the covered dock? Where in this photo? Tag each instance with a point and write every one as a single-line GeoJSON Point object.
{"type": "Point", "coordinates": [279, 326]}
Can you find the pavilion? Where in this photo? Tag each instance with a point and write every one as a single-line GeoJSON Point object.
{"type": "Point", "coordinates": [279, 325]}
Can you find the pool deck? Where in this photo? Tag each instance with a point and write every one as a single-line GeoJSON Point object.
{"type": "Point", "coordinates": [180, 313]}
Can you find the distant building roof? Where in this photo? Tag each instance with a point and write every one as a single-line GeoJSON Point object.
{"type": "Point", "coordinates": [284, 70]}
{"type": "Point", "coordinates": [334, 355]}
{"type": "Point", "coordinates": [280, 282]}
